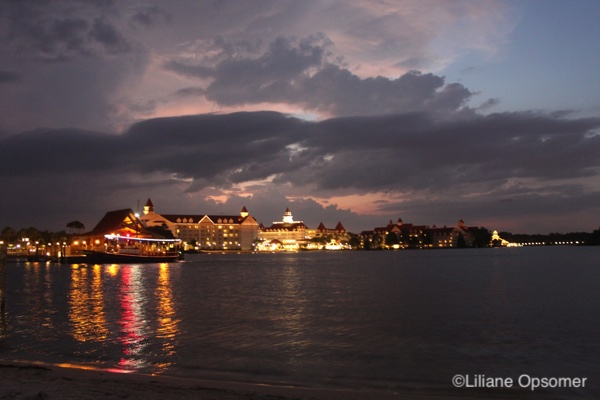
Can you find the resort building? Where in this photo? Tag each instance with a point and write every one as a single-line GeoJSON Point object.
{"type": "Point", "coordinates": [497, 241]}
{"type": "Point", "coordinates": [151, 219]}
{"type": "Point", "coordinates": [119, 222]}
{"type": "Point", "coordinates": [396, 235]}
{"type": "Point", "coordinates": [207, 232]}
{"type": "Point", "coordinates": [441, 237]}
{"type": "Point", "coordinates": [462, 235]}
{"type": "Point", "coordinates": [402, 235]}
{"type": "Point", "coordinates": [324, 238]}
{"type": "Point", "coordinates": [286, 234]}
{"type": "Point", "coordinates": [321, 230]}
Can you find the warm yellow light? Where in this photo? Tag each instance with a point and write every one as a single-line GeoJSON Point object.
{"type": "Point", "coordinates": [112, 269]}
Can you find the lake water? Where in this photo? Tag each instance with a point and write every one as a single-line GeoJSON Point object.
{"type": "Point", "coordinates": [382, 320]}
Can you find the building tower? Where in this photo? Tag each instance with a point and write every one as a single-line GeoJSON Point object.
{"type": "Point", "coordinates": [148, 207]}
{"type": "Point", "coordinates": [287, 217]}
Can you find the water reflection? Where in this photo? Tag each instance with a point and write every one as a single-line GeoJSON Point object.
{"type": "Point", "coordinates": [293, 319]}
{"type": "Point", "coordinates": [40, 304]}
{"type": "Point", "coordinates": [112, 270]}
{"type": "Point", "coordinates": [365, 320]}
{"type": "Point", "coordinates": [126, 311]}
{"type": "Point", "coordinates": [168, 325]}
{"type": "Point", "coordinates": [86, 304]}
{"type": "Point", "coordinates": [48, 320]}
{"type": "Point", "coordinates": [134, 328]}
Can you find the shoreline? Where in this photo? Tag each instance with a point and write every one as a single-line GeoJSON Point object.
{"type": "Point", "coordinates": [36, 380]}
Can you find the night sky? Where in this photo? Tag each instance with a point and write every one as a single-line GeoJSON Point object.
{"type": "Point", "coordinates": [426, 110]}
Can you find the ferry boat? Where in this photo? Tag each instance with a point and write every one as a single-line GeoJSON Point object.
{"type": "Point", "coordinates": [126, 250]}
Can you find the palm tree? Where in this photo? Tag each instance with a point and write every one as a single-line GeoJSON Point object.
{"type": "Point", "coordinates": [75, 226]}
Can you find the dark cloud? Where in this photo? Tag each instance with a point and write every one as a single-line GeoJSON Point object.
{"type": "Point", "coordinates": [48, 152]}
{"type": "Point", "coordinates": [410, 151]}
{"type": "Point", "coordinates": [9, 77]}
{"type": "Point", "coordinates": [100, 59]}
{"type": "Point", "coordinates": [72, 58]}
{"type": "Point", "coordinates": [109, 37]}
{"type": "Point", "coordinates": [521, 208]}
{"type": "Point", "coordinates": [61, 31]}
{"type": "Point", "coordinates": [463, 164]}
{"type": "Point", "coordinates": [300, 72]}
{"type": "Point", "coordinates": [195, 71]}
{"type": "Point", "coordinates": [149, 16]}
{"type": "Point", "coordinates": [190, 91]}
{"type": "Point", "coordinates": [489, 103]}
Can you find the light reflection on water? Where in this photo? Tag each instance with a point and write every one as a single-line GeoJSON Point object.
{"type": "Point", "coordinates": [383, 319]}
{"type": "Point", "coordinates": [86, 304]}
{"type": "Point", "coordinates": [133, 325]}
{"type": "Point", "coordinates": [117, 316]}
{"type": "Point", "coordinates": [167, 329]}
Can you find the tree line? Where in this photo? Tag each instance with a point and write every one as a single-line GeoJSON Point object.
{"type": "Point", "coordinates": [10, 235]}
{"type": "Point", "coordinates": [592, 239]}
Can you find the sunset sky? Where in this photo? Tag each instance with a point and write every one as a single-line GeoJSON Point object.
{"type": "Point", "coordinates": [426, 110]}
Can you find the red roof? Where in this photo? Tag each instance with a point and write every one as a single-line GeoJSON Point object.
{"type": "Point", "coordinates": [117, 221]}
{"type": "Point", "coordinates": [340, 228]}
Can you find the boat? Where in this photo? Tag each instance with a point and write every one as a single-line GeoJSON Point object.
{"type": "Point", "coordinates": [129, 250]}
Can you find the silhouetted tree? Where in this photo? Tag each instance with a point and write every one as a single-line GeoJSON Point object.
{"type": "Point", "coordinates": [161, 231]}
{"type": "Point", "coordinates": [75, 226]}
{"type": "Point", "coordinates": [8, 235]}
{"type": "Point", "coordinates": [594, 239]}
{"type": "Point", "coordinates": [354, 241]}
{"type": "Point", "coordinates": [321, 239]}
{"type": "Point", "coordinates": [460, 241]}
{"type": "Point", "coordinates": [391, 239]}
{"type": "Point", "coordinates": [30, 233]}
{"type": "Point", "coordinates": [481, 237]}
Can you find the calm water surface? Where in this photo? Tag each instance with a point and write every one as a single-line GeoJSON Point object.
{"type": "Point", "coordinates": [383, 320]}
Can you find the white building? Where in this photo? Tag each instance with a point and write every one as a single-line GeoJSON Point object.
{"type": "Point", "coordinates": [207, 232]}
{"type": "Point", "coordinates": [286, 234]}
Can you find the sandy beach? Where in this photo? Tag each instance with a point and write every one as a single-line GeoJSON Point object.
{"type": "Point", "coordinates": [26, 381]}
